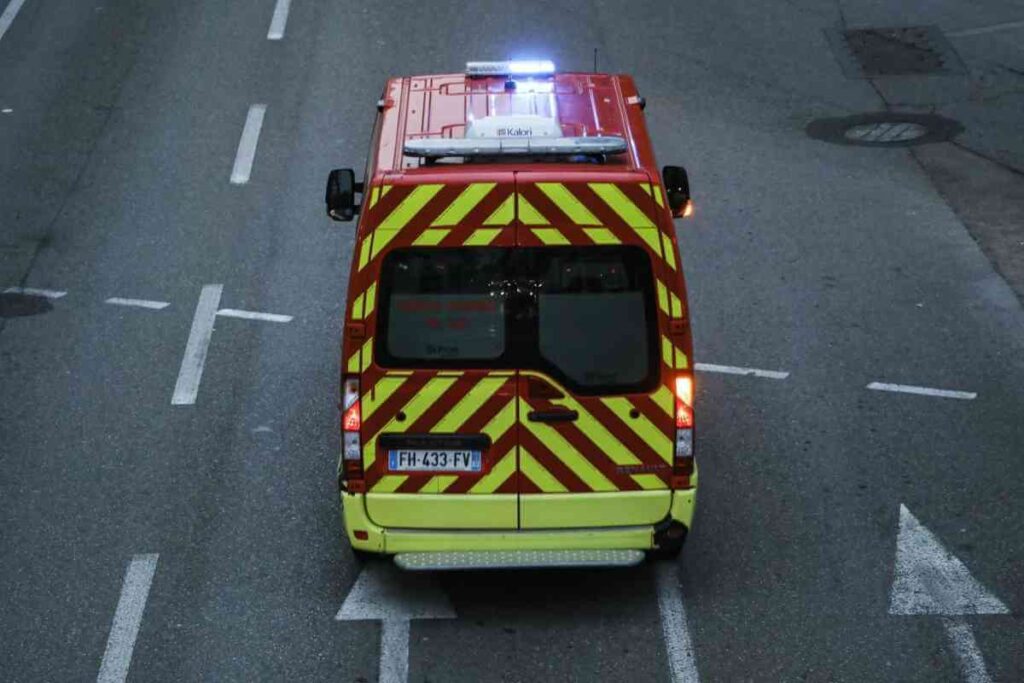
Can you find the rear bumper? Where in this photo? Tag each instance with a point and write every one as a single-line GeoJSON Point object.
{"type": "Point", "coordinates": [395, 540]}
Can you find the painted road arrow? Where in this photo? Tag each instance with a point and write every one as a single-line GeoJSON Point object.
{"type": "Point", "coordinates": [931, 580]}
{"type": "Point", "coordinates": [385, 593]}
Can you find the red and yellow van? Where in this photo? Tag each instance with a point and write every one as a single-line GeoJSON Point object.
{"type": "Point", "coordinates": [517, 384]}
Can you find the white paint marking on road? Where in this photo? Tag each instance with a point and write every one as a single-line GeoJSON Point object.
{"type": "Point", "coordinates": [192, 362]}
{"type": "Point", "coordinates": [923, 391]}
{"type": "Point", "coordinates": [138, 303]}
{"type": "Point", "coordinates": [931, 580]}
{"type": "Point", "coordinates": [32, 291]}
{"type": "Point", "coordinates": [384, 592]}
{"type": "Point", "coordinates": [961, 639]}
{"type": "Point", "coordinates": [127, 619]}
{"type": "Point", "coordinates": [246, 154]}
{"type": "Point", "coordinates": [254, 315]}
{"type": "Point", "coordinates": [732, 370]}
{"type": "Point", "coordinates": [981, 30]}
{"type": "Point", "coordinates": [6, 110]}
{"type": "Point", "coordinates": [13, 7]}
{"type": "Point", "coordinates": [682, 658]}
{"type": "Point", "coordinates": [279, 20]}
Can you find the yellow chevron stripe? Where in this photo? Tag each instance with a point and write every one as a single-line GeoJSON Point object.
{"type": "Point", "coordinates": [501, 471]}
{"type": "Point", "coordinates": [617, 200]}
{"type": "Point", "coordinates": [384, 191]}
{"type": "Point", "coordinates": [564, 451]}
{"type": "Point", "coordinates": [364, 251]}
{"type": "Point", "coordinates": [602, 236]}
{"type": "Point", "coordinates": [439, 483]}
{"type": "Point", "coordinates": [665, 400]}
{"type": "Point", "coordinates": [649, 482]}
{"type": "Point", "coordinates": [501, 422]}
{"type": "Point", "coordinates": [371, 296]}
{"type": "Point", "coordinates": [464, 409]}
{"type": "Point", "coordinates": [409, 207]}
{"type": "Point", "coordinates": [536, 472]}
{"type": "Point", "coordinates": [568, 203]}
{"type": "Point", "coordinates": [419, 403]}
{"type": "Point", "coordinates": [641, 426]}
{"type": "Point", "coordinates": [504, 214]}
{"type": "Point", "coordinates": [668, 251]}
{"type": "Point", "coordinates": [357, 307]}
{"type": "Point", "coordinates": [367, 354]}
{"type": "Point", "coordinates": [353, 362]}
{"type": "Point", "coordinates": [374, 195]}
{"type": "Point", "coordinates": [677, 306]}
{"type": "Point", "coordinates": [369, 452]}
{"type": "Point", "coordinates": [430, 238]}
{"type": "Point", "coordinates": [658, 196]}
{"type": "Point", "coordinates": [549, 236]}
{"type": "Point", "coordinates": [666, 351]}
{"type": "Point", "coordinates": [681, 360]}
{"type": "Point", "coordinates": [481, 237]}
{"type": "Point", "coordinates": [388, 483]}
{"type": "Point", "coordinates": [598, 434]}
{"type": "Point", "coordinates": [662, 297]}
{"type": "Point", "coordinates": [463, 204]}
{"type": "Point", "coordinates": [371, 400]}
{"type": "Point", "coordinates": [529, 215]}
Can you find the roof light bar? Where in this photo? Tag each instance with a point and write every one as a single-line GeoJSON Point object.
{"type": "Point", "coordinates": [539, 67]}
{"type": "Point", "coordinates": [436, 148]}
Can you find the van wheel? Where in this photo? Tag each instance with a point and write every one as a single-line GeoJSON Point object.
{"type": "Point", "coordinates": [665, 552]}
{"type": "Point", "coordinates": [364, 558]}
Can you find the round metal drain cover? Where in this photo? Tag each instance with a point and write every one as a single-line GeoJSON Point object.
{"type": "Point", "coordinates": [884, 129]}
{"type": "Point", "coordinates": [894, 131]}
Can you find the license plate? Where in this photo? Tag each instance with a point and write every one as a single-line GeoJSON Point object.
{"type": "Point", "coordinates": [433, 461]}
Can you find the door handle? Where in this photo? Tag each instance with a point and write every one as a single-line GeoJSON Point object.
{"type": "Point", "coordinates": [552, 416]}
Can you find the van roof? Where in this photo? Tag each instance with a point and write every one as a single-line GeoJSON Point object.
{"type": "Point", "coordinates": [443, 106]}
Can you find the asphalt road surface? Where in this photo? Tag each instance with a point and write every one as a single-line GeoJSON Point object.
{"type": "Point", "coordinates": [200, 540]}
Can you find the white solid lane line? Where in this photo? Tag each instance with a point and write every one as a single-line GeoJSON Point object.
{"type": "Point", "coordinates": [32, 291]}
{"type": "Point", "coordinates": [732, 370]}
{"type": "Point", "coordinates": [246, 154]}
{"type": "Point", "coordinates": [254, 315]}
{"type": "Point", "coordinates": [192, 362]}
{"type": "Point", "coordinates": [923, 391]}
{"type": "Point", "coordinates": [139, 303]}
{"type": "Point", "coordinates": [279, 20]}
{"type": "Point", "coordinates": [682, 659]}
{"type": "Point", "coordinates": [8, 16]}
{"type": "Point", "coordinates": [127, 619]}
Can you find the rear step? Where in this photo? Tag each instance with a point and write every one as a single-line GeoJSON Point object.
{"type": "Point", "coordinates": [517, 559]}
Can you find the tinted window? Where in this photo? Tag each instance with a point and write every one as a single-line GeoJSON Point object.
{"type": "Point", "coordinates": [584, 315]}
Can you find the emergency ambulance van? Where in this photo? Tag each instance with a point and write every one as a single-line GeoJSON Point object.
{"type": "Point", "coordinates": [517, 384]}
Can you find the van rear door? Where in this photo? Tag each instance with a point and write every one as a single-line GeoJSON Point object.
{"type": "Point", "coordinates": [438, 408]}
{"type": "Point", "coordinates": [596, 427]}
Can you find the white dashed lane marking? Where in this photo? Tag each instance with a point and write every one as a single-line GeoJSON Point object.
{"type": "Point", "coordinates": [191, 372]}
{"type": "Point", "coordinates": [32, 291]}
{"type": "Point", "coordinates": [254, 315]}
{"type": "Point", "coordinates": [246, 155]}
{"type": "Point", "coordinates": [8, 16]}
{"type": "Point", "coordinates": [127, 619]}
{"type": "Point", "coordinates": [279, 20]}
{"type": "Point", "coordinates": [923, 391]}
{"type": "Point", "coordinates": [138, 303]}
{"type": "Point", "coordinates": [733, 370]}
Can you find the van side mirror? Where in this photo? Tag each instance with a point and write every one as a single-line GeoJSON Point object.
{"type": "Point", "coordinates": [341, 194]}
{"type": "Point", "coordinates": [677, 187]}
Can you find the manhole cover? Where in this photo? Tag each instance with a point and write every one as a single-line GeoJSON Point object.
{"type": "Point", "coordinates": [895, 51]}
{"type": "Point", "coordinates": [884, 129]}
{"type": "Point", "coordinates": [19, 305]}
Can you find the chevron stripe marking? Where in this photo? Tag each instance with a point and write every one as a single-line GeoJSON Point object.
{"type": "Point", "coordinates": [536, 472]}
{"type": "Point", "coordinates": [463, 204]}
{"type": "Point", "coordinates": [568, 203]}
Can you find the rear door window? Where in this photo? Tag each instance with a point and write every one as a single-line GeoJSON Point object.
{"type": "Point", "coordinates": [584, 315]}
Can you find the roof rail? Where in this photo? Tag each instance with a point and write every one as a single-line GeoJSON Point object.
{"type": "Point", "coordinates": [437, 148]}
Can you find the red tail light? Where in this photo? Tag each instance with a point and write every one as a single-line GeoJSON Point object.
{"type": "Point", "coordinates": [682, 462]}
{"type": "Point", "coordinates": [351, 466]}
